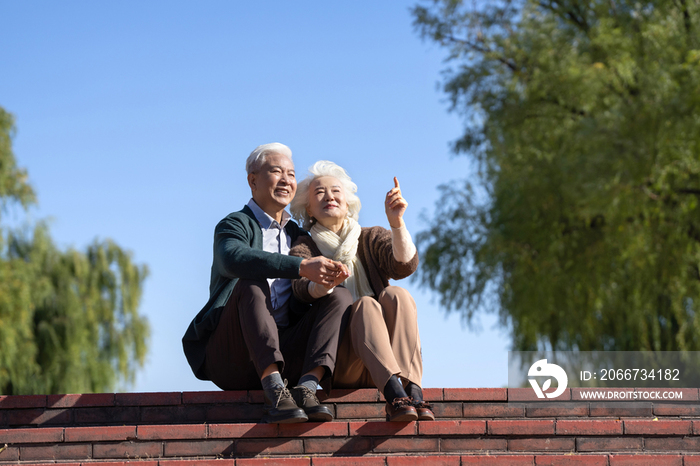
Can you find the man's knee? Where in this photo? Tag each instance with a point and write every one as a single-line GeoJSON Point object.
{"type": "Point", "coordinates": [246, 292]}
{"type": "Point", "coordinates": [338, 301]}
{"type": "Point", "coordinates": [341, 295]}
{"type": "Point", "coordinates": [246, 285]}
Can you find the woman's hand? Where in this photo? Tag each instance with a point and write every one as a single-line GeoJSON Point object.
{"type": "Point", "coordinates": [342, 274]}
{"type": "Point", "coordinates": [395, 206]}
{"type": "Point", "coordinates": [323, 271]}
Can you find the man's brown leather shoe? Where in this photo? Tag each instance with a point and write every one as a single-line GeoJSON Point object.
{"type": "Point", "coordinates": [306, 400]}
{"type": "Point", "coordinates": [401, 410]}
{"type": "Point", "coordinates": [280, 408]}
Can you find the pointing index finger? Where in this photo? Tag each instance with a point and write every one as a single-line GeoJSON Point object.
{"type": "Point", "coordinates": [396, 182]}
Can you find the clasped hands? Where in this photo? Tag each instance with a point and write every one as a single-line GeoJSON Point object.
{"type": "Point", "coordinates": [324, 271]}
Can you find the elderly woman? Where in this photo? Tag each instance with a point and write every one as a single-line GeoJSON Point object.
{"type": "Point", "coordinates": [381, 347]}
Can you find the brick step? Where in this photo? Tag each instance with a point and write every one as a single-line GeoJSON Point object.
{"type": "Point", "coordinates": [347, 439]}
{"type": "Point", "coordinates": [481, 425]}
{"type": "Point", "coordinates": [612, 459]}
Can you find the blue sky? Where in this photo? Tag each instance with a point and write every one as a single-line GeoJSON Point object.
{"type": "Point", "coordinates": [135, 118]}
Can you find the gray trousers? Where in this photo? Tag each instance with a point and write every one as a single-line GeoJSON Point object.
{"type": "Point", "coordinates": [247, 340]}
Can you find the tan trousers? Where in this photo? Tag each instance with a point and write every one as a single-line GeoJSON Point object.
{"type": "Point", "coordinates": [381, 340]}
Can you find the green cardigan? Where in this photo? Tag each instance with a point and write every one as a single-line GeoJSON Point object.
{"type": "Point", "coordinates": [237, 254]}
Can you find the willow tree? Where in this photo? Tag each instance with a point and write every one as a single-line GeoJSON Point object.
{"type": "Point", "coordinates": [582, 226]}
{"type": "Point", "coordinates": [69, 320]}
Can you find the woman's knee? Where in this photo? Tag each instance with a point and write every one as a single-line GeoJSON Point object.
{"type": "Point", "coordinates": [398, 299]}
{"type": "Point", "coordinates": [366, 310]}
{"type": "Point", "coordinates": [366, 322]}
{"type": "Point", "coordinates": [366, 305]}
{"type": "Point", "coordinates": [393, 292]}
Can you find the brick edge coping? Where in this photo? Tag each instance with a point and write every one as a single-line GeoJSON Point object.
{"type": "Point", "coordinates": [495, 428]}
{"type": "Point", "coordinates": [233, 396]}
{"type": "Point", "coordinates": [362, 395]}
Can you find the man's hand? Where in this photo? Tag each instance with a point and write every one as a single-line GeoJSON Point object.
{"type": "Point", "coordinates": [324, 271]}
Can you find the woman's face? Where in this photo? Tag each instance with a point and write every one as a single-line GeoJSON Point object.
{"type": "Point", "coordinates": [327, 202]}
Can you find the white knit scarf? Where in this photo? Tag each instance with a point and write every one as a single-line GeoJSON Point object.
{"type": "Point", "coordinates": [342, 247]}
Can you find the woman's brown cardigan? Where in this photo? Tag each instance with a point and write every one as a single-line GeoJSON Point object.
{"type": "Point", "coordinates": [375, 253]}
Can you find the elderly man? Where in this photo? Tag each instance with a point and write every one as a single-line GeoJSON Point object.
{"type": "Point", "coordinates": [252, 331]}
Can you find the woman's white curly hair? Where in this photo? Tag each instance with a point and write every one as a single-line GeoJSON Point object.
{"type": "Point", "coordinates": [317, 170]}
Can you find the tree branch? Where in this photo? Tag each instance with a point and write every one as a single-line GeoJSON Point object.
{"type": "Point", "coordinates": [483, 50]}
{"type": "Point", "coordinates": [694, 233]}
{"type": "Point", "coordinates": [688, 191]}
{"type": "Point", "coordinates": [578, 19]}
{"type": "Point", "coordinates": [568, 108]}
{"type": "Point", "coordinates": [686, 16]}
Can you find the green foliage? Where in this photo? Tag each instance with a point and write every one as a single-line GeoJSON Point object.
{"type": "Point", "coordinates": [69, 320]}
{"type": "Point", "coordinates": [583, 118]}
{"type": "Point", "coordinates": [13, 181]}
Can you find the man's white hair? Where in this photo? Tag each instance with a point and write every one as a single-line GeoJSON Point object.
{"type": "Point", "coordinates": [258, 156]}
{"type": "Point", "coordinates": [317, 170]}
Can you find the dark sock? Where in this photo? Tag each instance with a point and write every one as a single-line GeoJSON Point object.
{"type": "Point", "coordinates": [272, 381]}
{"type": "Point", "coordinates": [415, 392]}
{"type": "Point", "coordinates": [310, 382]}
{"type": "Point", "coordinates": [393, 389]}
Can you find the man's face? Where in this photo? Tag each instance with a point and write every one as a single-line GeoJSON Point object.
{"type": "Point", "coordinates": [273, 185]}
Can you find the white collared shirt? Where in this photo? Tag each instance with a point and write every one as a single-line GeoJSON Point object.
{"type": "Point", "coordinates": [275, 239]}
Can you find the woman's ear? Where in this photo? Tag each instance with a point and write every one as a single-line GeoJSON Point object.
{"type": "Point", "coordinates": [310, 223]}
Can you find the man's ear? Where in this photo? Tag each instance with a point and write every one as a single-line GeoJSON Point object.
{"type": "Point", "coordinates": [251, 180]}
